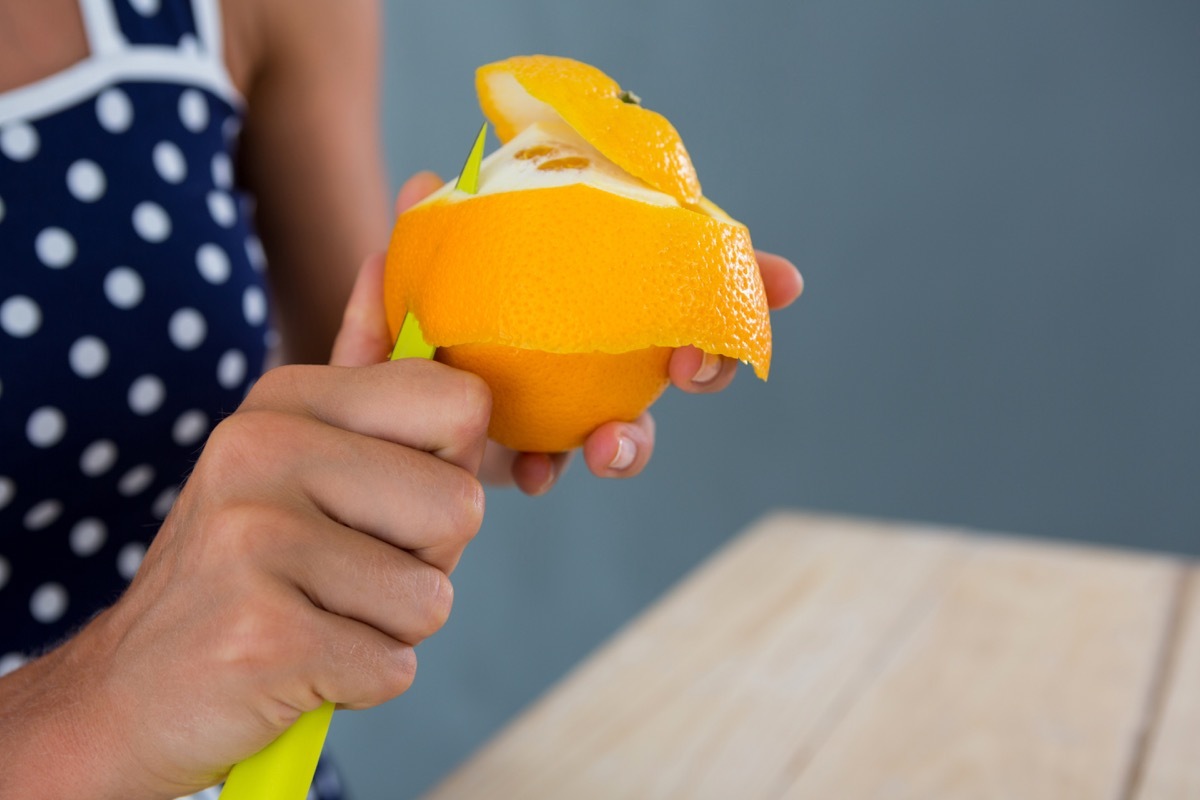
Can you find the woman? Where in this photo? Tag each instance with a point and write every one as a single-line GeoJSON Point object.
{"type": "Point", "coordinates": [165, 167]}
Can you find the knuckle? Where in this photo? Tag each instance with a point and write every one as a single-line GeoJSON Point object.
{"type": "Point", "coordinates": [439, 600]}
{"type": "Point", "coordinates": [399, 678]}
{"type": "Point", "coordinates": [235, 443]}
{"type": "Point", "coordinates": [468, 511]}
{"type": "Point", "coordinates": [249, 445]}
{"type": "Point", "coordinates": [258, 637]}
{"type": "Point", "coordinates": [242, 534]}
{"type": "Point", "coordinates": [474, 407]}
{"type": "Point", "coordinates": [274, 385]}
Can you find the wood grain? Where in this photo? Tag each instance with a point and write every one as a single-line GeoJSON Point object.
{"type": "Point", "coordinates": [1172, 769]}
{"type": "Point", "coordinates": [1030, 680]}
{"type": "Point", "coordinates": [820, 657]}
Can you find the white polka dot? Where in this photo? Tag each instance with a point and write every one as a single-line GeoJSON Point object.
{"type": "Point", "coordinates": [123, 287]}
{"type": "Point", "coordinates": [114, 111]}
{"type": "Point", "coordinates": [136, 480]}
{"type": "Point", "coordinates": [86, 181]}
{"type": "Point", "coordinates": [55, 248]}
{"type": "Point", "coordinates": [189, 44]}
{"type": "Point", "coordinates": [163, 503]}
{"type": "Point", "coordinates": [8, 490]}
{"type": "Point", "coordinates": [129, 558]}
{"type": "Point", "coordinates": [187, 328]}
{"type": "Point", "coordinates": [20, 316]}
{"type": "Point", "coordinates": [151, 222]}
{"type": "Point", "coordinates": [45, 427]}
{"type": "Point", "coordinates": [5, 571]}
{"type": "Point", "coordinates": [98, 457]}
{"type": "Point", "coordinates": [169, 162]}
{"type": "Point", "coordinates": [189, 428]}
{"type": "Point", "coordinates": [231, 369]}
{"type": "Point", "coordinates": [88, 536]}
{"type": "Point", "coordinates": [147, 8]}
{"type": "Point", "coordinates": [88, 356]}
{"type": "Point", "coordinates": [48, 602]}
{"type": "Point", "coordinates": [193, 110]}
{"type": "Point", "coordinates": [222, 209]}
{"type": "Point", "coordinates": [19, 141]}
{"type": "Point", "coordinates": [255, 252]}
{"type": "Point", "coordinates": [11, 662]}
{"type": "Point", "coordinates": [254, 305]}
{"type": "Point", "coordinates": [213, 263]}
{"type": "Point", "coordinates": [222, 171]}
{"type": "Point", "coordinates": [43, 514]}
{"type": "Point", "coordinates": [146, 395]}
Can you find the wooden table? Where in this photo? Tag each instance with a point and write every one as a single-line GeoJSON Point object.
{"type": "Point", "coordinates": [821, 657]}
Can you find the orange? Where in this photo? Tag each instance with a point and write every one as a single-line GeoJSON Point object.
{"type": "Point", "coordinates": [586, 255]}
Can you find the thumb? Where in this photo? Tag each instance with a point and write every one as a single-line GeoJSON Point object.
{"type": "Point", "coordinates": [363, 337]}
{"type": "Point", "coordinates": [416, 189]}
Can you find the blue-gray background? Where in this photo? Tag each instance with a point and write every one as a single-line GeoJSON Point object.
{"type": "Point", "coordinates": [996, 206]}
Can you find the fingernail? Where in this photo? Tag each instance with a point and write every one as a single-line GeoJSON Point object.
{"type": "Point", "coordinates": [710, 367]}
{"type": "Point", "coordinates": [551, 475]}
{"type": "Point", "coordinates": [626, 453]}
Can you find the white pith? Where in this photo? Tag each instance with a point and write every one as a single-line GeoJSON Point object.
{"type": "Point", "coordinates": [502, 171]}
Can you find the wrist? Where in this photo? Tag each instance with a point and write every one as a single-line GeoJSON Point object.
{"type": "Point", "coordinates": [58, 735]}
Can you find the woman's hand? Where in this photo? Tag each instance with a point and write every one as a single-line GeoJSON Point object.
{"type": "Point", "coordinates": [306, 556]}
{"type": "Point", "coordinates": [616, 449]}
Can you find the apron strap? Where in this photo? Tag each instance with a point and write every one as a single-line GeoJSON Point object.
{"type": "Point", "coordinates": [103, 30]}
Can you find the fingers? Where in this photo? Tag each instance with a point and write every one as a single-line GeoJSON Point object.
{"type": "Point", "coordinates": [304, 656]}
{"type": "Point", "coordinates": [413, 402]}
{"type": "Point", "coordinates": [356, 666]}
{"type": "Point", "coordinates": [536, 473]}
{"type": "Point", "coordinates": [406, 498]}
{"type": "Point", "coordinates": [698, 372]}
{"type": "Point", "coordinates": [359, 577]}
{"type": "Point", "coordinates": [782, 282]}
{"type": "Point", "coordinates": [363, 337]}
{"type": "Point", "coordinates": [620, 449]}
{"type": "Point", "coordinates": [416, 189]}
{"type": "Point", "coordinates": [532, 473]}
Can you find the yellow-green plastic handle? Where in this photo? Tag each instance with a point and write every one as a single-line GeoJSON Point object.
{"type": "Point", "coordinates": [284, 769]}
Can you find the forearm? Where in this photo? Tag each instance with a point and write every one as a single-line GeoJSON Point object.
{"type": "Point", "coordinates": [311, 155]}
{"type": "Point", "coordinates": [59, 737]}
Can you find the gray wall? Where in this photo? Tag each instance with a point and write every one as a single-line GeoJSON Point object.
{"type": "Point", "coordinates": [997, 208]}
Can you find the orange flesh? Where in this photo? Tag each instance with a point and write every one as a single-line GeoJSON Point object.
{"type": "Point", "coordinates": [559, 164]}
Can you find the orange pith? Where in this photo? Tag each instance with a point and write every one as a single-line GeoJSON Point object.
{"type": "Point", "coordinates": [568, 299]}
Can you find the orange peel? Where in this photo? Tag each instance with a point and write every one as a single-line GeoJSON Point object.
{"type": "Point", "coordinates": [585, 255]}
{"type": "Point", "coordinates": [520, 91]}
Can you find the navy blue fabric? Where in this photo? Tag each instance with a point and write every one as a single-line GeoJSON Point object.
{"type": "Point", "coordinates": [133, 316]}
{"type": "Point", "coordinates": [166, 26]}
{"type": "Point", "coordinates": [136, 159]}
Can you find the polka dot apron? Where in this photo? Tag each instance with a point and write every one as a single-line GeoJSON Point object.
{"type": "Point", "coordinates": [133, 312]}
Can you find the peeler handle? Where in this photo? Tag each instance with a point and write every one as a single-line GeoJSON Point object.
{"type": "Point", "coordinates": [284, 769]}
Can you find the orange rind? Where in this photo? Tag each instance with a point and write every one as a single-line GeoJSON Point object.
{"type": "Point", "coordinates": [584, 255]}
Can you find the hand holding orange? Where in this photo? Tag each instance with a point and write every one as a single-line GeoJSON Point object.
{"type": "Point", "coordinates": [586, 256]}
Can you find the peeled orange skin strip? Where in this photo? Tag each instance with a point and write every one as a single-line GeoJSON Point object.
{"type": "Point", "coordinates": [640, 141]}
{"type": "Point", "coordinates": [575, 269]}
